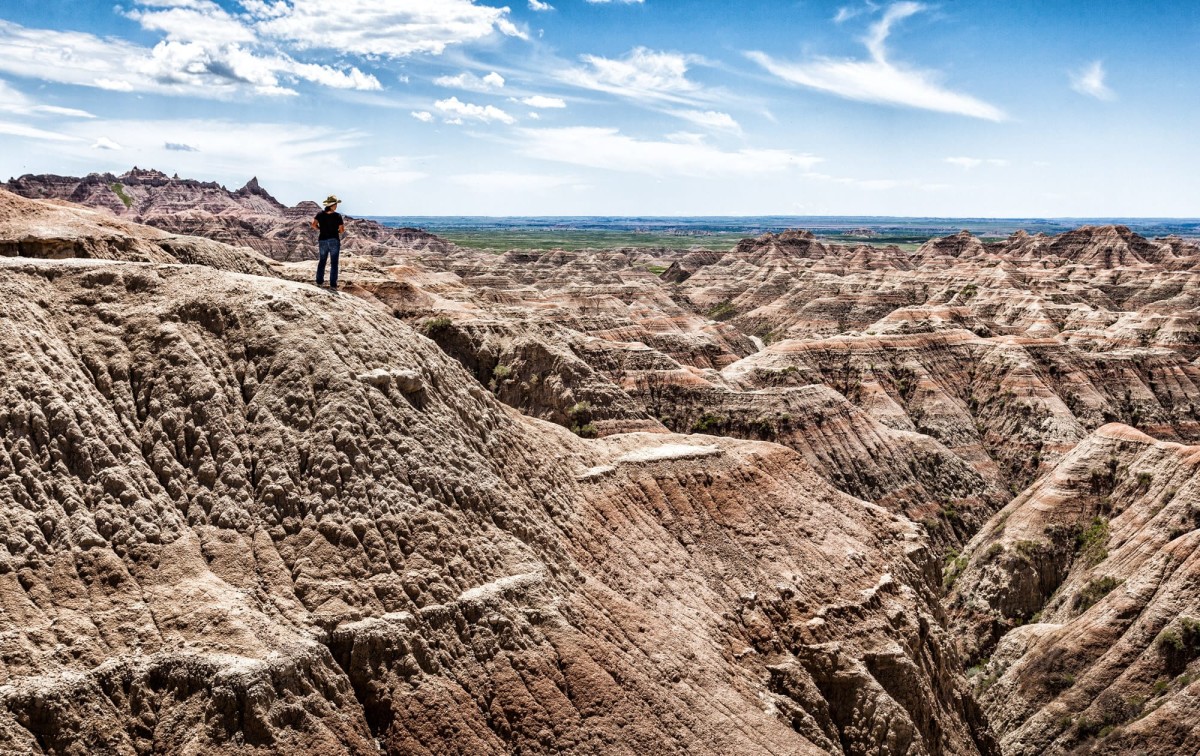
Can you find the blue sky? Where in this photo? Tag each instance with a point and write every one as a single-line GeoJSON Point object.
{"type": "Point", "coordinates": [1021, 108]}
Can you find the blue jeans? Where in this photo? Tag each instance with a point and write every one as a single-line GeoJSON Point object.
{"type": "Point", "coordinates": [330, 249]}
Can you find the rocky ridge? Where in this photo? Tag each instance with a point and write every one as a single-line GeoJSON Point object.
{"type": "Point", "coordinates": [247, 217]}
{"type": "Point", "coordinates": [1000, 403]}
{"type": "Point", "coordinates": [245, 515]}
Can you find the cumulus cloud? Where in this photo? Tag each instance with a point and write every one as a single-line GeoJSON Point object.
{"type": "Point", "coordinates": [967, 163]}
{"type": "Point", "coordinates": [472, 83]}
{"type": "Point", "coordinates": [610, 149]}
{"type": "Point", "coordinates": [643, 74]}
{"type": "Point", "coordinates": [173, 66]}
{"type": "Point", "coordinates": [200, 21]}
{"type": "Point", "coordinates": [539, 101]}
{"type": "Point", "coordinates": [1090, 81]}
{"type": "Point", "coordinates": [457, 112]}
{"type": "Point", "coordinates": [710, 119]}
{"type": "Point", "coordinates": [878, 79]}
{"type": "Point", "coordinates": [369, 27]}
{"type": "Point", "coordinates": [424, 116]}
{"type": "Point", "coordinates": [541, 7]}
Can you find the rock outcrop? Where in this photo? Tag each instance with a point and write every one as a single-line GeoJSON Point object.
{"type": "Point", "coordinates": [242, 514]}
{"type": "Point", "coordinates": [248, 217]}
{"type": "Point", "coordinates": [766, 500]}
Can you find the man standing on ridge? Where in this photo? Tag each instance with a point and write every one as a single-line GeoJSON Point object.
{"type": "Point", "coordinates": [331, 226]}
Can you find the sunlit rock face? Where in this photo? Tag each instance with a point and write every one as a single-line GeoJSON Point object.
{"type": "Point", "coordinates": [245, 514]}
{"type": "Point", "coordinates": [247, 217]}
{"type": "Point", "coordinates": [772, 499]}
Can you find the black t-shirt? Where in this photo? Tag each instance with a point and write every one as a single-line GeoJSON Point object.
{"type": "Point", "coordinates": [329, 224]}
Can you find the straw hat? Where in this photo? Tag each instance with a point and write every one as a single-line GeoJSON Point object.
{"type": "Point", "coordinates": [332, 200]}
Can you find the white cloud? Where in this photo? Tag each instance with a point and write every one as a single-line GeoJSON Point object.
{"type": "Point", "coordinates": [1090, 81]}
{"type": "Point", "coordinates": [29, 132]}
{"type": "Point", "coordinates": [170, 67]}
{"type": "Point", "coordinates": [710, 119]}
{"type": "Point", "coordinates": [878, 80]}
{"type": "Point", "coordinates": [178, 147]}
{"type": "Point", "coordinates": [845, 13]}
{"type": "Point", "coordinates": [197, 22]}
{"type": "Point", "coordinates": [224, 148]}
{"type": "Point", "coordinates": [538, 5]}
{"type": "Point", "coordinates": [424, 116]}
{"type": "Point", "coordinates": [641, 74]}
{"type": "Point", "coordinates": [104, 143]}
{"type": "Point", "coordinates": [609, 149]}
{"type": "Point", "coordinates": [967, 163]}
{"type": "Point", "coordinates": [15, 101]}
{"type": "Point", "coordinates": [539, 101]}
{"type": "Point", "coordinates": [471, 82]}
{"type": "Point", "coordinates": [457, 111]}
{"type": "Point", "coordinates": [370, 27]}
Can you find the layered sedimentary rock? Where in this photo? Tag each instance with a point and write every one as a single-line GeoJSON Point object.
{"type": "Point", "coordinates": [785, 493]}
{"type": "Point", "coordinates": [248, 217]}
{"type": "Point", "coordinates": [245, 515]}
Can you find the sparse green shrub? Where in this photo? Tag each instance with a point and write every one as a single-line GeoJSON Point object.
{"type": "Point", "coordinates": [722, 311]}
{"type": "Point", "coordinates": [1180, 644]}
{"type": "Point", "coordinates": [1096, 589]}
{"type": "Point", "coordinates": [433, 326]}
{"type": "Point", "coordinates": [119, 190]}
{"type": "Point", "coordinates": [1092, 543]}
{"type": "Point", "coordinates": [708, 423]}
{"type": "Point", "coordinates": [1144, 479]}
{"type": "Point", "coordinates": [587, 430]}
{"type": "Point", "coordinates": [500, 372]}
{"type": "Point", "coordinates": [1030, 549]}
{"type": "Point", "coordinates": [954, 567]}
{"type": "Point", "coordinates": [994, 551]}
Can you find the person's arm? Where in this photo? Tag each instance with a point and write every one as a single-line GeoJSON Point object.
{"type": "Point", "coordinates": [342, 229]}
{"type": "Point", "coordinates": [314, 224]}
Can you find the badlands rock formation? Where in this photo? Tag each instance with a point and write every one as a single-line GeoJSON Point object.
{"type": "Point", "coordinates": [248, 217]}
{"type": "Point", "coordinates": [243, 515]}
{"type": "Point", "coordinates": [773, 499]}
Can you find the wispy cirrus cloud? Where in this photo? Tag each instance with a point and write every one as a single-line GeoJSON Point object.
{"type": "Point", "coordinates": [878, 79]}
{"type": "Point", "coordinates": [472, 83]}
{"type": "Point", "coordinates": [539, 6]}
{"type": "Point", "coordinates": [15, 101]}
{"type": "Point", "coordinates": [642, 74]}
{"type": "Point", "coordinates": [609, 149]}
{"type": "Point", "coordinates": [709, 119]}
{"type": "Point", "coordinates": [1090, 81]}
